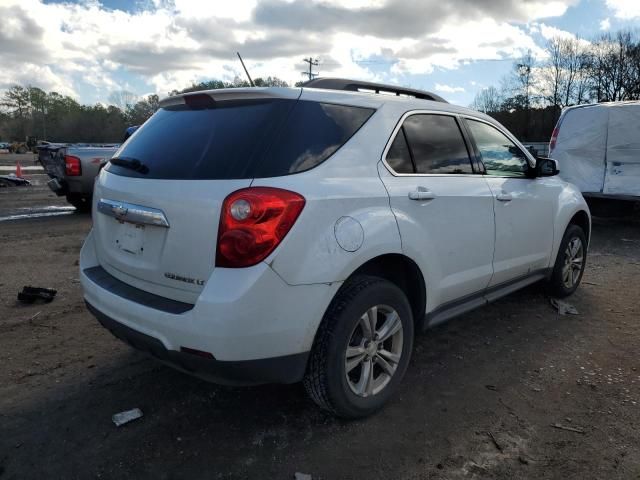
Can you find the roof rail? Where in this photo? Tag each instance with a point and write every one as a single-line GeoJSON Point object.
{"type": "Point", "coordinates": [361, 86]}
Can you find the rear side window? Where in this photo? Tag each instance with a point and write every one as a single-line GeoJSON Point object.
{"type": "Point", "coordinates": [238, 139]}
{"type": "Point", "coordinates": [436, 144]}
{"type": "Point", "coordinates": [399, 157]}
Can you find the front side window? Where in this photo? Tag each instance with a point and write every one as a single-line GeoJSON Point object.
{"type": "Point", "coordinates": [436, 144]}
{"type": "Point", "coordinates": [501, 157]}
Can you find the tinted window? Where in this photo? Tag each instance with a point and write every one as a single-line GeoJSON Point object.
{"type": "Point", "coordinates": [501, 157]}
{"type": "Point", "coordinates": [437, 144]}
{"type": "Point", "coordinates": [398, 156]}
{"type": "Point", "coordinates": [313, 132]}
{"type": "Point", "coordinates": [239, 139]}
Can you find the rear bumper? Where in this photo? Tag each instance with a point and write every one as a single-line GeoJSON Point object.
{"type": "Point", "coordinates": [249, 320]}
{"type": "Point", "coordinates": [286, 369]}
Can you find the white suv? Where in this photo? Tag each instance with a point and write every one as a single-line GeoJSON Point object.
{"type": "Point", "coordinates": [286, 234]}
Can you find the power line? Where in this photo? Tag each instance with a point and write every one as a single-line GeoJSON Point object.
{"type": "Point", "coordinates": [312, 63]}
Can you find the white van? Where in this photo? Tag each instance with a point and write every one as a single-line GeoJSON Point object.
{"type": "Point", "coordinates": [598, 149]}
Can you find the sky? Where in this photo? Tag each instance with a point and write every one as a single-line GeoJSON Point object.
{"type": "Point", "coordinates": [89, 49]}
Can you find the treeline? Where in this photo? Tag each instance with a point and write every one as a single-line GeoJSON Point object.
{"type": "Point", "coordinates": [576, 71]}
{"type": "Point", "coordinates": [30, 111]}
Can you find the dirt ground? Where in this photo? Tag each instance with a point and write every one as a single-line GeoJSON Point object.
{"type": "Point", "coordinates": [479, 399]}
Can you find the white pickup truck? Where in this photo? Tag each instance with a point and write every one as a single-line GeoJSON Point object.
{"type": "Point", "coordinates": [73, 169]}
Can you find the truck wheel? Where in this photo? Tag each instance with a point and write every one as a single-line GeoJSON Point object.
{"type": "Point", "coordinates": [362, 348]}
{"type": "Point", "coordinates": [82, 204]}
{"type": "Point", "coordinates": [570, 263]}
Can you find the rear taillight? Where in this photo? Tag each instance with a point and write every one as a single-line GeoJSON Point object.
{"type": "Point", "coordinates": [72, 166]}
{"type": "Point", "coordinates": [554, 139]}
{"type": "Point", "coordinates": [253, 222]}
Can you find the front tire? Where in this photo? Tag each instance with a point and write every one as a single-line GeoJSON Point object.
{"type": "Point", "coordinates": [570, 263]}
{"type": "Point", "coordinates": [362, 348]}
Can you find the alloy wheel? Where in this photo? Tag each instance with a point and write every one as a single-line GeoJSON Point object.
{"type": "Point", "coordinates": [374, 350]}
{"type": "Point", "coordinates": [573, 262]}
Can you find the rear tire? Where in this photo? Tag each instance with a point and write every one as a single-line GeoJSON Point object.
{"type": "Point", "coordinates": [570, 263]}
{"type": "Point", "coordinates": [362, 348]}
{"type": "Point", "coordinates": [82, 204]}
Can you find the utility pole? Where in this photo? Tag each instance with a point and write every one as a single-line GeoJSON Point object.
{"type": "Point", "coordinates": [312, 63]}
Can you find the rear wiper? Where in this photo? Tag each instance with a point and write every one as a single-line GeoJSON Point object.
{"type": "Point", "coordinates": [130, 163]}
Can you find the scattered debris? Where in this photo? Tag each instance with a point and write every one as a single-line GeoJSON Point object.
{"type": "Point", "coordinates": [43, 325]}
{"type": "Point", "coordinates": [569, 429]}
{"type": "Point", "coordinates": [13, 181]}
{"type": "Point", "coordinates": [563, 307]}
{"type": "Point", "coordinates": [302, 476]}
{"type": "Point", "coordinates": [495, 442]}
{"type": "Point", "coordinates": [31, 294]}
{"type": "Point", "coordinates": [591, 283]}
{"type": "Point", "coordinates": [126, 417]}
{"type": "Point", "coordinates": [491, 387]}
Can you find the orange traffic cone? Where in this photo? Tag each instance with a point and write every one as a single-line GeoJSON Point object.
{"type": "Point", "coordinates": [18, 170]}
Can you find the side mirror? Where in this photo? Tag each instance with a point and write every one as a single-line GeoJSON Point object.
{"type": "Point", "coordinates": [546, 167]}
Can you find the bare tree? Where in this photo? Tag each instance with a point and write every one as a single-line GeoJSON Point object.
{"type": "Point", "coordinates": [488, 100]}
{"type": "Point", "coordinates": [562, 81]}
{"type": "Point", "coordinates": [123, 99]}
{"type": "Point", "coordinates": [614, 67]}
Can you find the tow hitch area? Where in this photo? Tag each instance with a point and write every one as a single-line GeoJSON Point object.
{"type": "Point", "coordinates": [56, 187]}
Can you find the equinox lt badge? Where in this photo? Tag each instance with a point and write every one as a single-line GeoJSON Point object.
{"type": "Point", "coordinates": [180, 278]}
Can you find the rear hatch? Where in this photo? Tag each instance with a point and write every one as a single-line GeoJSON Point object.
{"type": "Point", "coordinates": [159, 198]}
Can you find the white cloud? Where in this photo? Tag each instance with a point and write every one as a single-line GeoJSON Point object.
{"type": "Point", "coordinates": [549, 32]}
{"type": "Point", "coordinates": [448, 88]}
{"type": "Point", "coordinates": [605, 24]}
{"type": "Point", "coordinates": [71, 47]}
{"type": "Point", "coordinates": [625, 9]}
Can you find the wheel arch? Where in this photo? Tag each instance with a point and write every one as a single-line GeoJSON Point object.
{"type": "Point", "coordinates": [403, 272]}
{"type": "Point", "coordinates": [582, 220]}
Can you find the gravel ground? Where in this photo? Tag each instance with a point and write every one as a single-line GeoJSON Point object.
{"type": "Point", "coordinates": [479, 400]}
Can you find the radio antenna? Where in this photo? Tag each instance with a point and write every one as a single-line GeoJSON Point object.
{"type": "Point", "coordinates": [245, 70]}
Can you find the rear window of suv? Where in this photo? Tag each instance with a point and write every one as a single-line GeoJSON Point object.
{"type": "Point", "coordinates": [238, 139]}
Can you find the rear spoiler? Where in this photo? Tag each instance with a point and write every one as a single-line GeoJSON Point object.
{"type": "Point", "coordinates": [226, 94]}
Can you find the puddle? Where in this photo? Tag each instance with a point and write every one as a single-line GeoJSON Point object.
{"type": "Point", "coordinates": [50, 211]}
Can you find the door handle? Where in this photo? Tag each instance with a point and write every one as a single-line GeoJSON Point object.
{"type": "Point", "coordinates": [504, 197]}
{"type": "Point", "coordinates": [421, 193]}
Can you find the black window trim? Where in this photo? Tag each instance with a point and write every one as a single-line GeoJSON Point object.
{"type": "Point", "coordinates": [400, 126]}
{"type": "Point", "coordinates": [530, 160]}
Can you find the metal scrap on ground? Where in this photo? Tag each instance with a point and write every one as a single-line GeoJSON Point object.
{"type": "Point", "coordinates": [568, 429]}
{"type": "Point", "coordinates": [126, 417]}
{"type": "Point", "coordinates": [563, 307]}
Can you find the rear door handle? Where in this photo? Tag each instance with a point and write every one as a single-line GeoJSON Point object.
{"type": "Point", "coordinates": [422, 193]}
{"type": "Point", "coordinates": [504, 197]}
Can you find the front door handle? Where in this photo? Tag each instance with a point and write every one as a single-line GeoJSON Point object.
{"type": "Point", "coordinates": [422, 193]}
{"type": "Point", "coordinates": [504, 197]}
